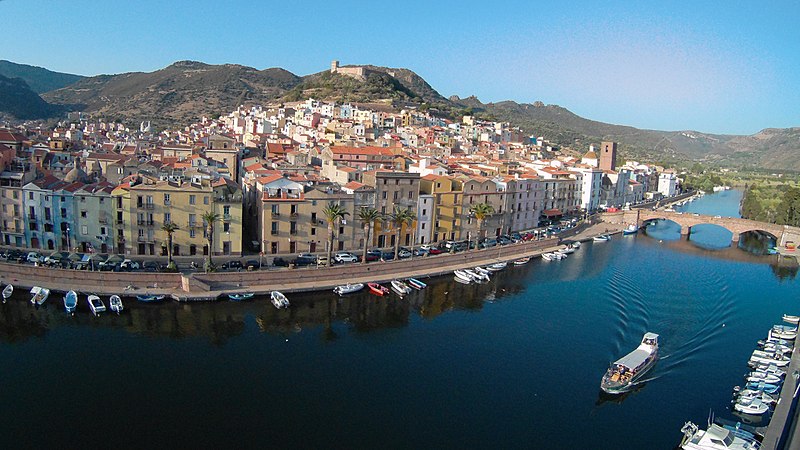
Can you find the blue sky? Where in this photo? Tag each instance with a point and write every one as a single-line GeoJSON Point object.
{"type": "Point", "coordinates": [660, 65]}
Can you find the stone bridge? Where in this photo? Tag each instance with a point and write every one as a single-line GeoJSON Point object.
{"type": "Point", "coordinates": [782, 233]}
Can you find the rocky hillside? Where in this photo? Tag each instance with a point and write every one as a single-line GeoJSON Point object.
{"type": "Point", "coordinates": [39, 80]}
{"type": "Point", "coordinates": [18, 101]}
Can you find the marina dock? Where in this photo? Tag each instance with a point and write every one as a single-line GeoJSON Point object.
{"type": "Point", "coordinates": [781, 433]}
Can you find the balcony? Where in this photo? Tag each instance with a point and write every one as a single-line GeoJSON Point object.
{"type": "Point", "coordinates": [282, 195]}
{"type": "Point", "coordinates": [228, 199]}
{"type": "Point", "coordinates": [193, 225]}
{"type": "Point", "coordinates": [120, 222]}
{"type": "Point", "coordinates": [146, 205]}
{"type": "Point", "coordinates": [294, 215]}
{"type": "Point", "coordinates": [276, 214]}
{"type": "Point", "coordinates": [143, 239]}
{"type": "Point", "coordinates": [274, 232]}
{"type": "Point", "coordinates": [146, 223]}
{"type": "Point", "coordinates": [293, 232]}
{"type": "Point", "coordinates": [226, 217]}
{"type": "Point", "coordinates": [103, 220]}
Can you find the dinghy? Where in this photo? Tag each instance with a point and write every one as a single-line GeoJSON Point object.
{"type": "Point", "coordinates": [279, 300]}
{"type": "Point", "coordinates": [95, 304]}
{"type": "Point", "coordinates": [348, 288]}
{"type": "Point", "coordinates": [416, 284]}
{"type": "Point", "coordinates": [7, 291]}
{"type": "Point", "coordinates": [400, 288]}
{"type": "Point", "coordinates": [462, 276]}
{"type": "Point", "coordinates": [71, 302]}
{"type": "Point", "coordinates": [115, 302]}
{"type": "Point", "coordinates": [240, 296]}
{"type": "Point", "coordinates": [378, 289]}
{"type": "Point", "coordinates": [40, 295]}
{"type": "Point", "coordinates": [496, 267]}
{"type": "Point", "coordinates": [791, 319]}
{"type": "Point", "coordinates": [150, 298]}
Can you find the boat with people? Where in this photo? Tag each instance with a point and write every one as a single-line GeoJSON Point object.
{"type": "Point", "coordinates": [791, 319]}
{"type": "Point", "coordinates": [95, 304]}
{"type": "Point", "coordinates": [400, 288]}
{"type": "Point", "coordinates": [7, 291]}
{"type": "Point", "coordinates": [462, 276]}
{"type": "Point", "coordinates": [715, 437]}
{"type": "Point", "coordinates": [416, 284]}
{"type": "Point", "coordinates": [522, 261]}
{"type": "Point", "coordinates": [150, 298]}
{"type": "Point", "coordinates": [71, 302]}
{"type": "Point", "coordinates": [630, 229]}
{"type": "Point", "coordinates": [752, 405]}
{"type": "Point", "coordinates": [496, 267]}
{"type": "Point", "coordinates": [783, 332]}
{"type": "Point", "coordinates": [115, 303]}
{"type": "Point", "coordinates": [279, 300]}
{"type": "Point", "coordinates": [602, 238]}
{"type": "Point", "coordinates": [623, 374]}
{"type": "Point", "coordinates": [39, 295]}
{"type": "Point", "coordinates": [241, 296]}
{"type": "Point", "coordinates": [378, 289]}
{"type": "Point", "coordinates": [348, 288]}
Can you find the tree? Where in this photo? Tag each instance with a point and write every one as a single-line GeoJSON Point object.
{"type": "Point", "coordinates": [210, 218]}
{"type": "Point", "coordinates": [333, 214]}
{"type": "Point", "coordinates": [399, 217]}
{"type": "Point", "coordinates": [481, 211]}
{"type": "Point", "coordinates": [368, 217]}
{"type": "Point", "coordinates": [170, 228]}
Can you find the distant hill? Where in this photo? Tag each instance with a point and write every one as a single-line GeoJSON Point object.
{"type": "Point", "coordinates": [39, 79]}
{"type": "Point", "coordinates": [20, 102]}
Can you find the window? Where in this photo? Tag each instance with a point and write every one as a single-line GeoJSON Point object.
{"type": "Point", "coordinates": [274, 228]}
{"type": "Point", "coordinates": [205, 200]}
{"type": "Point", "coordinates": [423, 225]}
{"type": "Point", "coordinates": [166, 199]}
{"type": "Point", "coordinates": [396, 194]}
{"type": "Point", "coordinates": [226, 210]}
{"type": "Point", "coordinates": [167, 217]}
{"type": "Point", "coordinates": [84, 230]}
{"type": "Point", "coordinates": [83, 199]}
{"type": "Point", "coordinates": [192, 233]}
{"type": "Point", "coordinates": [103, 231]}
{"type": "Point", "coordinates": [314, 217]}
{"type": "Point", "coordinates": [30, 195]}
{"type": "Point", "coordinates": [141, 232]}
{"type": "Point", "coordinates": [226, 227]}
{"type": "Point", "coordinates": [341, 230]}
{"type": "Point", "coordinates": [84, 214]}
{"type": "Point", "coordinates": [313, 231]}
{"type": "Point", "coordinates": [191, 199]}
{"type": "Point", "coordinates": [384, 195]}
{"type": "Point", "coordinates": [411, 195]}
{"type": "Point", "coordinates": [275, 209]}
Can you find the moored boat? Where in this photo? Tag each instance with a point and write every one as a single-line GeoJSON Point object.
{"type": "Point", "coordinates": [602, 238]}
{"type": "Point", "coordinates": [774, 358]}
{"type": "Point", "coordinates": [769, 388]}
{"type": "Point", "coordinates": [400, 288]}
{"type": "Point", "coordinates": [150, 298]}
{"type": "Point", "coordinates": [630, 229]}
{"type": "Point", "coordinates": [715, 437]}
{"type": "Point", "coordinates": [568, 250]}
{"type": "Point", "coordinates": [750, 393]}
{"type": "Point", "coordinates": [547, 256]}
{"type": "Point", "coordinates": [240, 296]}
{"type": "Point", "coordinates": [39, 295]}
{"type": "Point", "coordinates": [377, 289]}
{"type": "Point", "coordinates": [279, 300]}
{"type": "Point", "coordinates": [416, 284]}
{"type": "Point", "coordinates": [626, 371]}
{"type": "Point", "coordinates": [496, 267]}
{"type": "Point", "coordinates": [348, 288]}
{"type": "Point", "coordinates": [115, 303]}
{"type": "Point", "coordinates": [7, 291]}
{"type": "Point", "coordinates": [752, 405]}
{"type": "Point", "coordinates": [791, 319]}
{"type": "Point", "coordinates": [783, 332]}
{"type": "Point", "coordinates": [95, 304]}
{"type": "Point", "coordinates": [482, 271]}
{"type": "Point", "coordinates": [761, 377]}
{"type": "Point", "coordinates": [522, 261]}
{"type": "Point", "coordinates": [462, 276]}
{"type": "Point", "coordinates": [476, 277]}
{"type": "Point", "coordinates": [71, 302]}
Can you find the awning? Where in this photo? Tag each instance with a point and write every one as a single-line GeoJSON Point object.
{"type": "Point", "coordinates": [552, 212]}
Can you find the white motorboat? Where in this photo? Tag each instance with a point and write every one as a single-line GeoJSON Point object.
{"type": "Point", "coordinates": [770, 368]}
{"type": "Point", "coordinates": [71, 302]}
{"type": "Point", "coordinates": [602, 238]}
{"type": "Point", "coordinates": [39, 295]}
{"type": "Point", "coordinates": [548, 256]}
{"type": "Point", "coordinates": [791, 319]}
{"type": "Point", "coordinates": [95, 304]}
{"type": "Point", "coordinates": [522, 261]}
{"type": "Point", "coordinates": [477, 277]}
{"type": "Point", "coordinates": [115, 303]}
{"type": "Point", "coordinates": [777, 359]}
{"type": "Point", "coordinates": [348, 288]}
{"type": "Point", "coordinates": [568, 250]}
{"type": "Point", "coordinates": [779, 341]}
{"type": "Point", "coordinates": [630, 229]}
{"type": "Point", "coordinates": [751, 406]}
{"type": "Point", "coordinates": [496, 267]}
{"type": "Point", "coordinates": [749, 394]}
{"type": "Point", "coordinates": [7, 291]}
{"type": "Point", "coordinates": [279, 300]}
{"type": "Point", "coordinates": [481, 270]}
{"type": "Point", "coordinates": [626, 371]}
{"type": "Point", "coordinates": [559, 255]}
{"type": "Point", "coordinates": [462, 276]}
{"type": "Point", "coordinates": [716, 437]}
{"type": "Point", "coordinates": [774, 347]}
{"type": "Point", "coordinates": [783, 332]}
{"type": "Point", "coordinates": [575, 244]}
{"type": "Point", "coordinates": [400, 288]}
{"type": "Point", "coordinates": [761, 377]}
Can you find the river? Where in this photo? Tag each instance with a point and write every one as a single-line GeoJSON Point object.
{"type": "Point", "coordinates": [513, 363]}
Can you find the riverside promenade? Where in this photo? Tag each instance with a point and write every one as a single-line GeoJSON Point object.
{"type": "Point", "coordinates": [199, 286]}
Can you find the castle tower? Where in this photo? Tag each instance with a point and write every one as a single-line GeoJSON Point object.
{"type": "Point", "coordinates": [334, 66]}
{"type": "Point", "coordinates": [608, 156]}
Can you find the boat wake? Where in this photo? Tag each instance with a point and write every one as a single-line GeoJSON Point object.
{"type": "Point", "coordinates": [630, 309]}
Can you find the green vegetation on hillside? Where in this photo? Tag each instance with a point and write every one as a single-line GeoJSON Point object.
{"type": "Point", "coordinates": [778, 204]}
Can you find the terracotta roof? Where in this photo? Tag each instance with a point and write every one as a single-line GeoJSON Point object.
{"type": "Point", "coordinates": [353, 185]}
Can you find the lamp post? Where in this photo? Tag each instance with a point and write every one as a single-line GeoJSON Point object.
{"type": "Point", "coordinates": [69, 242]}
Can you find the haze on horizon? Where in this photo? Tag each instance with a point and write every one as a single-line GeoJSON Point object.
{"type": "Point", "coordinates": [666, 66]}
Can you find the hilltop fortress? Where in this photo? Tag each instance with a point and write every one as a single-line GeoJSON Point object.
{"type": "Point", "coordinates": [358, 72]}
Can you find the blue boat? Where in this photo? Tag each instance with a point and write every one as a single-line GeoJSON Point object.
{"type": "Point", "coordinates": [240, 297]}
{"type": "Point", "coordinates": [150, 298]}
{"type": "Point", "coordinates": [416, 284]}
{"type": "Point", "coordinates": [71, 302]}
{"type": "Point", "coordinates": [763, 387]}
{"type": "Point", "coordinates": [630, 229]}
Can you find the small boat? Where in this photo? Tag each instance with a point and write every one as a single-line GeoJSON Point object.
{"type": "Point", "coordinates": [602, 238]}
{"type": "Point", "coordinates": [115, 303]}
{"type": "Point", "coordinates": [769, 388]}
{"type": "Point", "coordinates": [770, 368]}
{"type": "Point", "coordinates": [378, 289]}
{"type": "Point", "coordinates": [623, 373]}
{"type": "Point", "coordinates": [630, 229]}
{"type": "Point", "coordinates": [496, 267]}
{"type": "Point", "coordinates": [348, 288]}
{"type": "Point", "coordinates": [279, 300]}
{"type": "Point", "coordinates": [462, 276]}
{"type": "Point", "coordinates": [71, 302]}
{"type": "Point", "coordinates": [791, 319]}
{"type": "Point", "coordinates": [7, 291]}
{"type": "Point", "coordinates": [481, 270]}
{"type": "Point", "coordinates": [763, 342]}
{"type": "Point", "coordinates": [748, 395]}
{"type": "Point", "coordinates": [567, 250]}
{"type": "Point", "coordinates": [95, 304]}
{"type": "Point", "coordinates": [476, 277]}
{"type": "Point", "coordinates": [548, 256]}
{"type": "Point", "coordinates": [400, 288]}
{"type": "Point", "coordinates": [762, 357]}
{"type": "Point", "coordinates": [761, 377]}
{"type": "Point", "coordinates": [783, 332]}
{"type": "Point", "coordinates": [150, 298]}
{"type": "Point", "coordinates": [522, 261]}
{"type": "Point", "coordinates": [773, 347]}
{"type": "Point", "coordinates": [40, 295]}
{"type": "Point", "coordinates": [575, 244]}
{"type": "Point", "coordinates": [416, 284]}
{"type": "Point", "coordinates": [240, 296]}
{"type": "Point", "coordinates": [751, 406]}
{"type": "Point", "coordinates": [716, 437]}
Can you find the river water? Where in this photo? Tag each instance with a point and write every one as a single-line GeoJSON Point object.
{"type": "Point", "coordinates": [513, 363]}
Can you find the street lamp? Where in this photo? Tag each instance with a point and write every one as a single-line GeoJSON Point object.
{"type": "Point", "coordinates": [69, 242]}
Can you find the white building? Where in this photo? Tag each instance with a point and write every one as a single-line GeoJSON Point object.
{"type": "Point", "coordinates": [667, 184]}
{"type": "Point", "coordinates": [425, 207]}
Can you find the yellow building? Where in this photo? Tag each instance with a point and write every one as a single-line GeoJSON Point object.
{"type": "Point", "coordinates": [144, 205]}
{"type": "Point", "coordinates": [447, 196]}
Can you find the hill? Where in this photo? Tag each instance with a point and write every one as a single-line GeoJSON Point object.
{"type": "Point", "coordinates": [39, 79]}
{"type": "Point", "coordinates": [20, 102]}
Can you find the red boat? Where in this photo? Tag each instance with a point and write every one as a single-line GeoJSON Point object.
{"type": "Point", "coordinates": [377, 289]}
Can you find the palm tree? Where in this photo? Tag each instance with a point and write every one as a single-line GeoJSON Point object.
{"type": "Point", "coordinates": [399, 217]}
{"type": "Point", "coordinates": [210, 218]}
{"type": "Point", "coordinates": [368, 216]}
{"type": "Point", "coordinates": [481, 211]}
{"type": "Point", "coordinates": [333, 213]}
{"type": "Point", "coordinates": [170, 228]}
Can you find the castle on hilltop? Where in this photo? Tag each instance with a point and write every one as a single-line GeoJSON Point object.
{"type": "Point", "coordinates": [358, 72]}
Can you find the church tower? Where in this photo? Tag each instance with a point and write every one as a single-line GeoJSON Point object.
{"type": "Point", "coordinates": [608, 156]}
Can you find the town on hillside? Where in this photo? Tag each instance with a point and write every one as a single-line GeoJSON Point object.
{"type": "Point", "coordinates": [265, 175]}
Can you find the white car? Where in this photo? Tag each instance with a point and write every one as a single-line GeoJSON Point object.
{"type": "Point", "coordinates": [345, 257]}
{"type": "Point", "coordinates": [34, 257]}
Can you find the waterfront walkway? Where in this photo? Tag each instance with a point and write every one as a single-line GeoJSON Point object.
{"type": "Point", "coordinates": [782, 429]}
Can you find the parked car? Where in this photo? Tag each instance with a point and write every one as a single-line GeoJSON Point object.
{"type": "Point", "coordinates": [487, 242]}
{"type": "Point", "coordinates": [252, 264]}
{"type": "Point", "coordinates": [151, 266]}
{"type": "Point", "coordinates": [304, 260]}
{"type": "Point", "coordinates": [344, 257]}
{"type": "Point", "coordinates": [233, 265]}
{"type": "Point", "coordinates": [504, 240]}
{"type": "Point", "coordinates": [322, 260]}
{"type": "Point", "coordinates": [280, 262]}
{"type": "Point", "coordinates": [373, 255]}
{"type": "Point", "coordinates": [34, 257]}
{"type": "Point", "coordinates": [403, 253]}
{"type": "Point", "coordinates": [129, 265]}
